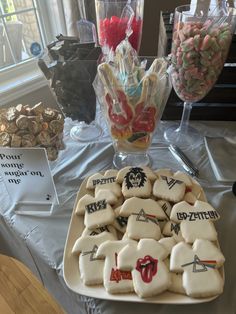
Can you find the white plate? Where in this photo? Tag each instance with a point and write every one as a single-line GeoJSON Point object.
{"type": "Point", "coordinates": [72, 274]}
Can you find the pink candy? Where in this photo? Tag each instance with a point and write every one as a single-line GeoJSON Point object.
{"type": "Point", "coordinates": [198, 55]}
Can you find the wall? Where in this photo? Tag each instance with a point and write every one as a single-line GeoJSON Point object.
{"type": "Point", "coordinates": [152, 10]}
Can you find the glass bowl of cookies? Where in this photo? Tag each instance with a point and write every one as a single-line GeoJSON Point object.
{"type": "Point", "coordinates": [37, 126]}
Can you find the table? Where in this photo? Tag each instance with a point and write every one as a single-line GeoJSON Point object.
{"type": "Point", "coordinates": [39, 241]}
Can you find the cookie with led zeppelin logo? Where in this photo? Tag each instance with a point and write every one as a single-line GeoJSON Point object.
{"type": "Point", "coordinates": [196, 222]}
{"type": "Point", "coordinates": [91, 268]}
{"type": "Point", "coordinates": [96, 231]}
{"type": "Point", "coordinates": [169, 188]}
{"type": "Point", "coordinates": [143, 218]}
{"type": "Point", "coordinates": [105, 182]}
{"type": "Point", "coordinates": [115, 280]}
{"type": "Point", "coordinates": [136, 181]}
{"type": "Point", "coordinates": [149, 272]}
{"type": "Point", "coordinates": [199, 264]}
{"type": "Point", "coordinates": [98, 212]}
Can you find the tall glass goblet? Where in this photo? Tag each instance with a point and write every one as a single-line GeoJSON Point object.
{"type": "Point", "coordinates": [116, 19]}
{"type": "Point", "coordinates": [200, 47]}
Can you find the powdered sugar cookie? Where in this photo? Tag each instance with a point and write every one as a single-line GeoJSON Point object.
{"type": "Point", "coordinates": [149, 272]}
{"type": "Point", "coordinates": [169, 188]}
{"type": "Point", "coordinates": [98, 212]}
{"type": "Point", "coordinates": [136, 181]}
{"type": "Point", "coordinates": [114, 279]}
{"type": "Point", "coordinates": [143, 218]}
{"type": "Point", "coordinates": [199, 264]}
{"type": "Point", "coordinates": [91, 268]}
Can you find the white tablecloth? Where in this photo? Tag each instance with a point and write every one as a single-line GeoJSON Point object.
{"type": "Point", "coordinates": [39, 241]}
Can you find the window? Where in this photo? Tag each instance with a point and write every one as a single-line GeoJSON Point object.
{"type": "Point", "coordinates": [26, 27]}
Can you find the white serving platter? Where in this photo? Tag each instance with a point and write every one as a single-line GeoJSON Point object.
{"type": "Point", "coordinates": [72, 278]}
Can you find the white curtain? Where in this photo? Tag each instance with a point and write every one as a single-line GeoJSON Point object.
{"type": "Point", "coordinates": [75, 10]}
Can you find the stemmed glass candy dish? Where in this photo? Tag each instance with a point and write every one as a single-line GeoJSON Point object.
{"type": "Point", "coordinates": [200, 46]}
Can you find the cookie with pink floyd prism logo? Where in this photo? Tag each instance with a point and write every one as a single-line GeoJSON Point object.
{"type": "Point", "coordinates": [106, 182]}
{"type": "Point", "coordinates": [199, 264]}
{"type": "Point", "coordinates": [97, 211]}
{"type": "Point", "coordinates": [145, 260]}
{"type": "Point", "coordinates": [136, 181]}
{"type": "Point", "coordinates": [196, 222]}
{"type": "Point", "coordinates": [91, 268]}
{"type": "Point", "coordinates": [115, 280]}
{"type": "Point", "coordinates": [169, 188]}
{"type": "Point", "coordinates": [143, 215]}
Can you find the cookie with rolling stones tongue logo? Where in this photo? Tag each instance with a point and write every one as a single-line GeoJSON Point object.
{"type": "Point", "coordinates": [115, 280]}
{"type": "Point", "coordinates": [146, 262]}
{"type": "Point", "coordinates": [196, 222]}
{"type": "Point", "coordinates": [97, 211]}
{"type": "Point", "coordinates": [91, 268]}
{"type": "Point", "coordinates": [96, 231]}
{"type": "Point", "coordinates": [199, 264]}
{"type": "Point", "coordinates": [143, 215]}
{"type": "Point", "coordinates": [104, 182]}
{"type": "Point", "coordinates": [169, 188]}
{"type": "Point", "coordinates": [136, 181]}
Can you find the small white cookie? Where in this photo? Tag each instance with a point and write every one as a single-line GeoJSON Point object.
{"type": "Point", "coordinates": [96, 231]}
{"type": "Point", "coordinates": [98, 212]}
{"type": "Point", "coordinates": [114, 279]}
{"type": "Point", "coordinates": [143, 218]}
{"type": "Point", "coordinates": [91, 268]}
{"type": "Point", "coordinates": [149, 272]}
{"type": "Point", "coordinates": [176, 283]}
{"type": "Point", "coordinates": [169, 188]}
{"type": "Point", "coordinates": [172, 229]}
{"type": "Point", "coordinates": [136, 181]}
{"type": "Point", "coordinates": [199, 264]}
{"type": "Point", "coordinates": [104, 182]}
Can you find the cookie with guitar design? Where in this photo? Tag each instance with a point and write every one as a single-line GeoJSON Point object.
{"type": "Point", "coordinates": [143, 215]}
{"type": "Point", "coordinates": [97, 211]}
{"type": "Point", "coordinates": [199, 264]}
{"type": "Point", "coordinates": [91, 268]}
{"type": "Point", "coordinates": [136, 181]}
{"type": "Point", "coordinates": [145, 261]}
{"type": "Point", "coordinates": [196, 222]}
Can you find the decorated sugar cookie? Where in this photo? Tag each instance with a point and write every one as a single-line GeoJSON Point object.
{"type": "Point", "coordinates": [120, 222]}
{"type": "Point", "coordinates": [114, 279]}
{"type": "Point", "coordinates": [91, 268]}
{"type": "Point", "coordinates": [136, 181]}
{"type": "Point", "coordinates": [104, 182]}
{"type": "Point", "coordinates": [176, 283]}
{"type": "Point", "coordinates": [98, 212]}
{"type": "Point", "coordinates": [166, 206]}
{"type": "Point", "coordinates": [198, 264]}
{"type": "Point", "coordinates": [196, 222]}
{"type": "Point", "coordinates": [172, 229]}
{"type": "Point", "coordinates": [169, 188]}
{"type": "Point", "coordinates": [149, 272]}
{"type": "Point", "coordinates": [143, 218]}
{"type": "Point", "coordinates": [96, 231]}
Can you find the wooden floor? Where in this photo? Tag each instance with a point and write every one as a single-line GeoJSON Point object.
{"type": "Point", "coordinates": [21, 292]}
